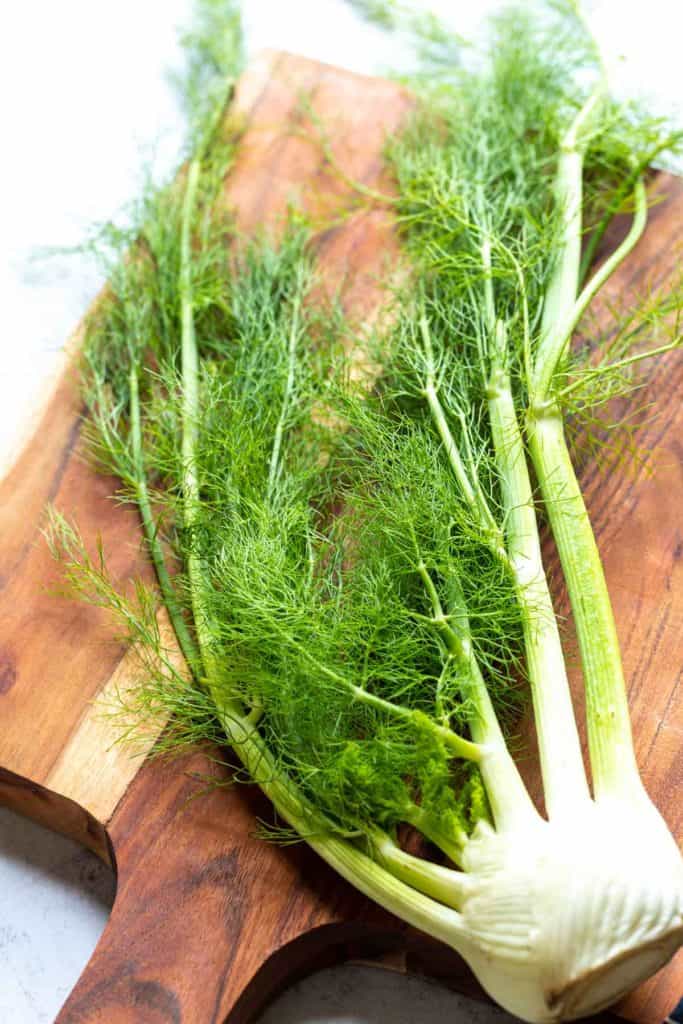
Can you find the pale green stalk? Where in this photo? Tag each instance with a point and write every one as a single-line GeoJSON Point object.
{"type": "Point", "coordinates": [564, 778]}
{"type": "Point", "coordinates": [507, 793]}
{"type": "Point", "coordinates": [187, 644]}
{"type": "Point", "coordinates": [190, 415]}
{"type": "Point", "coordinates": [613, 762]}
{"type": "Point", "coordinates": [440, 883]}
{"type": "Point", "coordinates": [510, 802]}
{"type": "Point", "coordinates": [452, 844]}
{"type": "Point", "coordinates": [567, 322]}
{"type": "Point", "coordinates": [508, 797]}
{"type": "Point", "coordinates": [615, 259]}
{"type": "Point", "coordinates": [471, 490]}
{"type": "Point", "coordinates": [561, 292]}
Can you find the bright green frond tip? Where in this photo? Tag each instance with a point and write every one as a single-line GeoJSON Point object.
{"type": "Point", "coordinates": [214, 56]}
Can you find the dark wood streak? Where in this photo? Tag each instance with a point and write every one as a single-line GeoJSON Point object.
{"type": "Point", "coordinates": [8, 671]}
{"type": "Point", "coordinates": [124, 997]}
{"type": "Point", "coordinates": [65, 457]}
{"type": "Point", "coordinates": [667, 708]}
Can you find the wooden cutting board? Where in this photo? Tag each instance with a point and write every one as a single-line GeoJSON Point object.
{"type": "Point", "coordinates": [209, 922]}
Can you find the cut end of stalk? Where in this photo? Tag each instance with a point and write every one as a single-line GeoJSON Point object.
{"type": "Point", "coordinates": [602, 986]}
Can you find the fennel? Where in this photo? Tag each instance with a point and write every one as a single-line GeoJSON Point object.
{"type": "Point", "coordinates": [359, 627]}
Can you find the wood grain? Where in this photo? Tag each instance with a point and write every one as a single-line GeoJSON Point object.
{"type": "Point", "coordinates": [209, 922]}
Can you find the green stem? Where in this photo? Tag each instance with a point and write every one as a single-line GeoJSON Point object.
{"type": "Point", "coordinates": [451, 449]}
{"type": "Point", "coordinates": [439, 706]}
{"type": "Point", "coordinates": [471, 491]}
{"type": "Point", "coordinates": [510, 802]}
{"type": "Point", "coordinates": [606, 270]}
{"type": "Point", "coordinates": [567, 321]}
{"type": "Point", "coordinates": [443, 884]}
{"type": "Point", "coordinates": [564, 281]}
{"type": "Point", "coordinates": [619, 364]}
{"type": "Point", "coordinates": [451, 843]}
{"type": "Point", "coordinates": [489, 298]}
{"type": "Point", "coordinates": [609, 730]}
{"type": "Point", "coordinates": [190, 415]}
{"type": "Point", "coordinates": [187, 644]}
{"type": "Point", "coordinates": [456, 744]}
{"type": "Point", "coordinates": [612, 756]}
{"type": "Point", "coordinates": [511, 805]}
{"type": "Point", "coordinates": [564, 778]}
{"type": "Point", "coordinates": [618, 198]}
{"type": "Point", "coordinates": [458, 645]}
{"type": "Point", "coordinates": [274, 467]}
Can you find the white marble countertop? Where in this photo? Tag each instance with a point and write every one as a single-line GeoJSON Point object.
{"type": "Point", "coordinates": [85, 98]}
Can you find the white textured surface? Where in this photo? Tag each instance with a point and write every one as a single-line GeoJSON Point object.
{"type": "Point", "coordinates": [354, 994]}
{"type": "Point", "coordinates": [85, 99]}
{"type": "Point", "coordinates": [54, 899]}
